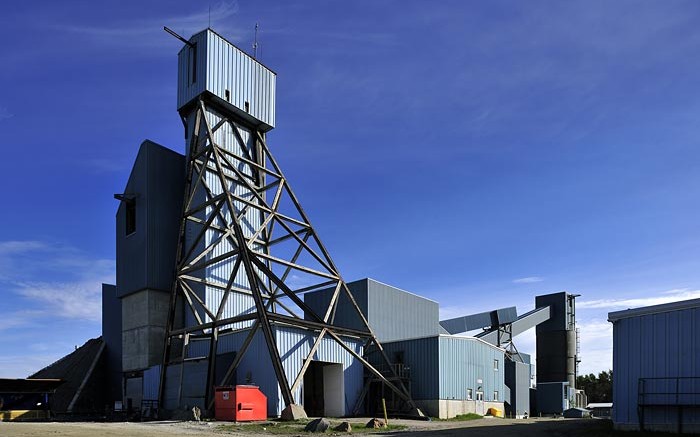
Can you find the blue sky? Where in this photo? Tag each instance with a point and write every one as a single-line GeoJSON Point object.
{"type": "Point", "coordinates": [477, 153]}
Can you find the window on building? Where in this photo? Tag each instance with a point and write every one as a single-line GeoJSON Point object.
{"type": "Point", "coordinates": [479, 395]}
{"type": "Point", "coordinates": [193, 62]}
{"type": "Point", "coordinates": [495, 365]}
{"type": "Point", "coordinates": [495, 395]}
{"type": "Point", "coordinates": [130, 216]}
{"type": "Point", "coordinates": [469, 394]}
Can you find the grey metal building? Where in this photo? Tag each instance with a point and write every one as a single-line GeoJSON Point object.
{"type": "Point", "coordinates": [656, 367]}
{"type": "Point", "coordinates": [448, 375]}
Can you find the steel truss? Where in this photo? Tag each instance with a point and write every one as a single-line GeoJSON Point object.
{"type": "Point", "coordinates": [243, 203]}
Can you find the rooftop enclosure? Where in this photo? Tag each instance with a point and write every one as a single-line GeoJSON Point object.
{"type": "Point", "coordinates": [656, 367]}
{"type": "Point", "coordinates": [212, 65]}
{"type": "Point", "coordinates": [392, 313]}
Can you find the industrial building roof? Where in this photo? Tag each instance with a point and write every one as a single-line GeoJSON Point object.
{"type": "Point", "coordinates": [29, 385]}
{"type": "Point", "coordinates": [654, 309]}
{"type": "Point", "coordinates": [458, 337]}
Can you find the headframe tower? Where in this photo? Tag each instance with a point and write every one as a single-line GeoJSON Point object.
{"type": "Point", "coordinates": [247, 251]}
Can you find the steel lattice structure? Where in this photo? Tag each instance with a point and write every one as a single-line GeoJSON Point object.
{"type": "Point", "coordinates": [240, 214]}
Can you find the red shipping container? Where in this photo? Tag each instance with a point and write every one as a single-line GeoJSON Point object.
{"type": "Point", "coordinates": [242, 403]}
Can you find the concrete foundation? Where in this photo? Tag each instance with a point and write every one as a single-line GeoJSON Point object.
{"type": "Point", "coordinates": [144, 315]}
{"type": "Point", "coordinates": [449, 408]}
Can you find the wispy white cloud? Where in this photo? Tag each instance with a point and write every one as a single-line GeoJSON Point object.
{"type": "Point", "coordinates": [16, 319]}
{"type": "Point", "coordinates": [20, 246]}
{"type": "Point", "coordinates": [616, 304]}
{"type": "Point", "coordinates": [5, 113]}
{"type": "Point", "coordinates": [74, 300]}
{"type": "Point", "coordinates": [149, 33]}
{"type": "Point", "coordinates": [528, 280]}
{"type": "Point", "coordinates": [71, 281]}
{"type": "Point", "coordinates": [596, 345]}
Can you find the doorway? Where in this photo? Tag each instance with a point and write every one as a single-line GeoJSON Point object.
{"type": "Point", "coordinates": [324, 390]}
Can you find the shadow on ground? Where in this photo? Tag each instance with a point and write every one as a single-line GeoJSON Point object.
{"type": "Point", "coordinates": [535, 428]}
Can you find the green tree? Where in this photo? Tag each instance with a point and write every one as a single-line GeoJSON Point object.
{"type": "Point", "coordinates": [598, 389]}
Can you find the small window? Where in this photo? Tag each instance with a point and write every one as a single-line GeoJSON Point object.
{"type": "Point", "coordinates": [495, 395]}
{"type": "Point", "coordinates": [247, 106]}
{"type": "Point", "coordinates": [479, 395]}
{"type": "Point", "coordinates": [495, 365]}
{"type": "Point", "coordinates": [130, 216]}
{"type": "Point", "coordinates": [469, 394]}
{"type": "Point", "coordinates": [228, 95]}
{"type": "Point", "coordinates": [193, 62]}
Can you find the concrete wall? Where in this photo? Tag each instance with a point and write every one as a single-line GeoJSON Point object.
{"type": "Point", "coordinates": [144, 315]}
{"type": "Point", "coordinates": [449, 408]}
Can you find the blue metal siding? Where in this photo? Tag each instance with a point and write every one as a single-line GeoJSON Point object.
{"type": "Point", "coordinates": [395, 314]}
{"type": "Point", "coordinates": [222, 67]}
{"type": "Point", "coordinates": [247, 80]}
{"type": "Point", "coordinates": [151, 382]}
{"type": "Point", "coordinates": [186, 89]}
{"type": "Point", "coordinates": [422, 357]}
{"type": "Point", "coordinates": [463, 361]}
{"type": "Point", "coordinates": [146, 258]}
{"type": "Point", "coordinates": [665, 344]}
{"type": "Point", "coordinates": [237, 303]}
{"type": "Point", "coordinates": [345, 315]}
{"type": "Point", "coordinates": [294, 345]}
{"type": "Point", "coordinates": [255, 367]}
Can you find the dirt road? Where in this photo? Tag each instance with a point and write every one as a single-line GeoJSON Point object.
{"type": "Point", "coordinates": [475, 428]}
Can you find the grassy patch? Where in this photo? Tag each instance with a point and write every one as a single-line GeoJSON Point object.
{"type": "Point", "coordinates": [287, 428]}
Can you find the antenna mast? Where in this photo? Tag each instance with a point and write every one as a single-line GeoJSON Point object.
{"type": "Point", "coordinates": [255, 42]}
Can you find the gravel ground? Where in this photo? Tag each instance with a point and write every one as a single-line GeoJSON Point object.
{"type": "Point", "coordinates": [487, 427]}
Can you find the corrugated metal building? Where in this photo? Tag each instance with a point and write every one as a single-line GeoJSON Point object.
{"type": "Point", "coordinates": [451, 375]}
{"type": "Point", "coordinates": [656, 367]}
{"type": "Point", "coordinates": [393, 314]}
{"type": "Point", "coordinates": [448, 375]}
{"type": "Point", "coordinates": [234, 78]}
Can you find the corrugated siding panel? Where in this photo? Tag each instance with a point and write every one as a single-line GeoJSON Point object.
{"type": "Point", "coordinates": [422, 356]}
{"type": "Point", "coordinates": [255, 367]}
{"type": "Point", "coordinates": [463, 361]}
{"type": "Point", "coordinates": [294, 344]}
{"type": "Point", "coordinates": [222, 66]}
{"type": "Point", "coordinates": [151, 382]}
{"type": "Point", "coordinates": [186, 90]}
{"type": "Point", "coordinates": [345, 316]}
{"type": "Point", "coordinates": [395, 314]}
{"type": "Point", "coordinates": [410, 316]}
{"type": "Point", "coordinates": [655, 345]}
{"type": "Point", "coordinates": [237, 303]}
{"type": "Point", "coordinates": [165, 185]}
{"type": "Point", "coordinates": [247, 80]}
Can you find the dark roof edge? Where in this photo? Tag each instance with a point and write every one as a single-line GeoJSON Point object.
{"type": "Point", "coordinates": [654, 309]}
